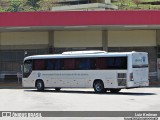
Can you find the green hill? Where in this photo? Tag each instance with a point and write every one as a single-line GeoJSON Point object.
{"type": "Point", "coordinates": [46, 5]}
{"type": "Point", "coordinates": [138, 4]}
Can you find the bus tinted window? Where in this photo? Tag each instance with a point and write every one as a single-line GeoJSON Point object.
{"type": "Point", "coordinates": [58, 64]}
{"type": "Point", "coordinates": [81, 63]}
{"type": "Point", "coordinates": [69, 64]}
{"type": "Point", "coordinates": [50, 64]}
{"type": "Point", "coordinates": [85, 63]}
{"type": "Point", "coordinates": [101, 63]}
{"type": "Point", "coordinates": [117, 63]}
{"type": "Point", "coordinates": [39, 64]}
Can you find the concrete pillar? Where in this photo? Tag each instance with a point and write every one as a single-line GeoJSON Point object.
{"type": "Point", "coordinates": [158, 37]}
{"type": "Point", "coordinates": [158, 53]}
{"type": "Point", "coordinates": [105, 40]}
{"type": "Point", "coordinates": [51, 41]}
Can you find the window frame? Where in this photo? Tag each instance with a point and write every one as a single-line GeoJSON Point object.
{"type": "Point", "coordinates": [89, 63]}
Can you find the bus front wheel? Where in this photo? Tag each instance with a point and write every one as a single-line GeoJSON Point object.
{"type": "Point", "coordinates": [40, 85]}
{"type": "Point", "coordinates": [98, 86]}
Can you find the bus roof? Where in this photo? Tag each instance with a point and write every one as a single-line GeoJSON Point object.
{"type": "Point", "coordinates": [81, 54]}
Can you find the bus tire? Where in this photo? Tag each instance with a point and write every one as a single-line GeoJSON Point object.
{"type": "Point", "coordinates": [98, 86]}
{"type": "Point", "coordinates": [57, 89]}
{"type": "Point", "coordinates": [40, 85]}
{"type": "Point", "coordinates": [115, 90]}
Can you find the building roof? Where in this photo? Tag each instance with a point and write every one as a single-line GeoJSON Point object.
{"type": "Point", "coordinates": [80, 19]}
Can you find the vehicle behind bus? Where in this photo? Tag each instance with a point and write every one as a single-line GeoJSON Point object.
{"type": "Point", "coordinates": [100, 70]}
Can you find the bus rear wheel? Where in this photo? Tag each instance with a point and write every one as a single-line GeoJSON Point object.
{"type": "Point", "coordinates": [98, 86]}
{"type": "Point", "coordinates": [40, 85]}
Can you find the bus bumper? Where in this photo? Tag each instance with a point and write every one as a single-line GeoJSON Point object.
{"type": "Point", "coordinates": [138, 84]}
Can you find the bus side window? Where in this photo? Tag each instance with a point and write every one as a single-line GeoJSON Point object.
{"type": "Point", "coordinates": [58, 64]}
{"type": "Point", "coordinates": [120, 62]}
{"type": "Point", "coordinates": [85, 64]}
{"type": "Point", "coordinates": [50, 64]}
{"type": "Point", "coordinates": [39, 64]}
{"type": "Point", "coordinates": [93, 63]}
{"type": "Point", "coordinates": [77, 62]}
{"type": "Point", "coordinates": [124, 63]}
{"type": "Point", "coordinates": [113, 63]}
{"type": "Point", "coordinates": [117, 63]}
{"type": "Point", "coordinates": [69, 64]}
{"type": "Point", "coordinates": [101, 63]}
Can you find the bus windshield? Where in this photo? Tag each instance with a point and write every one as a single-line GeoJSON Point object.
{"type": "Point", "coordinates": [139, 60]}
{"type": "Point", "coordinates": [27, 69]}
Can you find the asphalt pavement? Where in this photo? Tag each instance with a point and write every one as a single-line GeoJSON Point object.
{"type": "Point", "coordinates": [138, 99]}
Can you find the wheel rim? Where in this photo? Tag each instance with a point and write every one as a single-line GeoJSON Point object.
{"type": "Point", "coordinates": [39, 85]}
{"type": "Point", "coordinates": [98, 87]}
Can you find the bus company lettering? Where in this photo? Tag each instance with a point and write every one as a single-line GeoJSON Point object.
{"type": "Point", "coordinates": [140, 60]}
{"type": "Point", "coordinates": [39, 74]}
{"type": "Point", "coordinates": [65, 74]}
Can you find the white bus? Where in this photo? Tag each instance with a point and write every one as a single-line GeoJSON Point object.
{"type": "Point", "coordinates": [100, 70]}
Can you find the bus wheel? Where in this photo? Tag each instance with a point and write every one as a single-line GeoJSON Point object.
{"type": "Point", "coordinates": [40, 85]}
{"type": "Point", "coordinates": [57, 89]}
{"type": "Point", "coordinates": [114, 90]}
{"type": "Point", "coordinates": [98, 86]}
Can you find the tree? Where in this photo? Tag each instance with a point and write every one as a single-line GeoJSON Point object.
{"type": "Point", "coordinates": [46, 5]}
{"type": "Point", "coordinates": [15, 6]}
{"type": "Point", "coordinates": [123, 4]}
{"type": "Point", "coordinates": [3, 5]}
{"type": "Point", "coordinates": [137, 2]}
{"type": "Point", "coordinates": [1, 9]}
{"type": "Point", "coordinates": [34, 4]}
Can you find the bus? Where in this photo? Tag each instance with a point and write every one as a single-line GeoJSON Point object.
{"type": "Point", "coordinates": [100, 70]}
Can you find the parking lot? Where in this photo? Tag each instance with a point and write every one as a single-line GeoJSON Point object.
{"type": "Point", "coordinates": [139, 99]}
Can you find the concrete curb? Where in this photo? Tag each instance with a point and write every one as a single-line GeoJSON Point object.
{"type": "Point", "coordinates": [11, 86]}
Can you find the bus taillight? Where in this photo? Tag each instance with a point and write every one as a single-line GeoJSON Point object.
{"type": "Point", "coordinates": [131, 77]}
